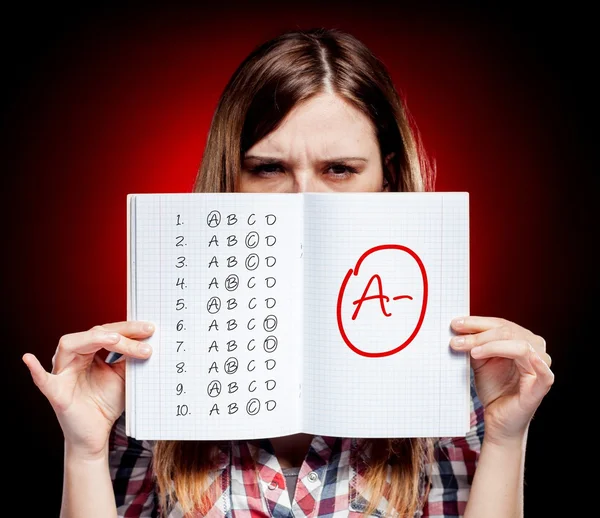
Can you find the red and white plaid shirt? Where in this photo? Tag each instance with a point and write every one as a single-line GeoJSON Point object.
{"type": "Point", "coordinates": [250, 482]}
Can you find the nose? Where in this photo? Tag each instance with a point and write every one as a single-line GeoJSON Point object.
{"type": "Point", "coordinates": [306, 181]}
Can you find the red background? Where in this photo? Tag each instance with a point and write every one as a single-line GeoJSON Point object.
{"type": "Point", "coordinates": [99, 103]}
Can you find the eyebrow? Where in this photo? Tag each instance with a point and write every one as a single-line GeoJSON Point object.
{"type": "Point", "coordinates": [332, 159]}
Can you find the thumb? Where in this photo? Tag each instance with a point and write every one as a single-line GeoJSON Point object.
{"type": "Point", "coordinates": [38, 373]}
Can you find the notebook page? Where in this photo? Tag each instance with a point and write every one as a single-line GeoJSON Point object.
{"type": "Point", "coordinates": [381, 365]}
{"type": "Point", "coordinates": [219, 275]}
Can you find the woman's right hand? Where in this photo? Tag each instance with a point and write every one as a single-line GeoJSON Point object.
{"type": "Point", "coordinates": [86, 393]}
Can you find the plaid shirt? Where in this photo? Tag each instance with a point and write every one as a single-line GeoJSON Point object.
{"type": "Point", "coordinates": [250, 483]}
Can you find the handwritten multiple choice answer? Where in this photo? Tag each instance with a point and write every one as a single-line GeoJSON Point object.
{"type": "Point", "coordinates": [227, 333]}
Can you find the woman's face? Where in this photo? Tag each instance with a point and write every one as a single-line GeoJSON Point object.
{"type": "Point", "coordinates": [324, 145]}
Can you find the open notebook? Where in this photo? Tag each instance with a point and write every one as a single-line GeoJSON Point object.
{"type": "Point", "coordinates": [279, 313]}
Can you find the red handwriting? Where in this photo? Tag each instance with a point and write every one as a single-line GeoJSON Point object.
{"type": "Point", "coordinates": [383, 299]}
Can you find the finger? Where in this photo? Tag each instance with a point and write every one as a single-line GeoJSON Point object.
{"type": "Point", "coordinates": [476, 324]}
{"type": "Point", "coordinates": [547, 359]}
{"type": "Point", "coordinates": [38, 373]}
{"type": "Point", "coordinates": [139, 329]}
{"type": "Point", "coordinates": [507, 331]}
{"type": "Point", "coordinates": [82, 343]}
{"type": "Point", "coordinates": [134, 329]}
{"type": "Point", "coordinates": [478, 330]}
{"type": "Point", "coordinates": [517, 350]}
{"type": "Point", "coordinates": [85, 344]}
{"type": "Point", "coordinates": [538, 342]}
{"type": "Point", "coordinates": [544, 377]}
{"type": "Point", "coordinates": [131, 328]}
{"type": "Point", "coordinates": [466, 342]}
{"type": "Point", "coordinates": [107, 334]}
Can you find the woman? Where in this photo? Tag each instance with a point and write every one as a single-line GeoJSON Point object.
{"type": "Point", "coordinates": [307, 111]}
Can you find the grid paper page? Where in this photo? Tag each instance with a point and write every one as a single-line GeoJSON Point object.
{"type": "Point", "coordinates": [219, 275]}
{"type": "Point", "coordinates": [385, 274]}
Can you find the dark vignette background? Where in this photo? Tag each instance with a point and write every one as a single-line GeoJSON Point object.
{"type": "Point", "coordinates": [101, 101]}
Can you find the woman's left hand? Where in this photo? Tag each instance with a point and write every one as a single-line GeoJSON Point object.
{"type": "Point", "coordinates": [512, 372]}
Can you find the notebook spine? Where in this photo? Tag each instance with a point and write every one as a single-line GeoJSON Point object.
{"type": "Point", "coordinates": [131, 313]}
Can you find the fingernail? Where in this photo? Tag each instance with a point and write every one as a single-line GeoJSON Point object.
{"type": "Point", "coordinates": [112, 337]}
{"type": "Point", "coordinates": [458, 322]}
{"type": "Point", "coordinates": [458, 341]}
{"type": "Point", "coordinates": [145, 349]}
{"type": "Point", "coordinates": [148, 327]}
{"type": "Point", "coordinates": [476, 350]}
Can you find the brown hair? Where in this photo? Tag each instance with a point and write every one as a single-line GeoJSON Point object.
{"type": "Point", "coordinates": [291, 68]}
{"type": "Point", "coordinates": [272, 80]}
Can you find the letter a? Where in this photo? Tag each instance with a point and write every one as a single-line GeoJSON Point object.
{"type": "Point", "coordinates": [364, 297]}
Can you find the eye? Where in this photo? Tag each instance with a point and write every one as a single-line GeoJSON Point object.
{"type": "Point", "coordinates": [340, 171]}
{"type": "Point", "coordinates": [267, 170]}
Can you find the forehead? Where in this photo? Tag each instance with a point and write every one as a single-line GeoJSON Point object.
{"type": "Point", "coordinates": [326, 124]}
